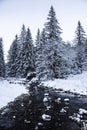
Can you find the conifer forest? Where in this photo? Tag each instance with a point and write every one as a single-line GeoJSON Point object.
{"type": "Point", "coordinates": [43, 81]}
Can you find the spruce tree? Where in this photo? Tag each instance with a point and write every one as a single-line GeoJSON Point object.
{"type": "Point", "coordinates": [2, 62]}
{"type": "Point", "coordinates": [23, 34]}
{"type": "Point", "coordinates": [80, 35]}
{"type": "Point", "coordinates": [27, 56]}
{"type": "Point", "coordinates": [40, 65]}
{"type": "Point", "coordinates": [37, 47]}
{"type": "Point", "coordinates": [43, 37]}
{"type": "Point", "coordinates": [12, 59]}
{"type": "Point", "coordinates": [21, 41]}
{"type": "Point", "coordinates": [52, 26]}
{"type": "Point", "coordinates": [49, 62]}
{"type": "Point", "coordinates": [37, 53]}
{"type": "Point", "coordinates": [37, 41]}
{"type": "Point", "coordinates": [53, 58]}
{"type": "Point", "coordinates": [80, 41]}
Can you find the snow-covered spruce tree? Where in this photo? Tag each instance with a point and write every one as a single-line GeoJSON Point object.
{"type": "Point", "coordinates": [80, 42]}
{"type": "Point", "coordinates": [43, 37]}
{"type": "Point", "coordinates": [23, 34]}
{"type": "Point", "coordinates": [52, 28]}
{"type": "Point", "coordinates": [50, 64]}
{"type": "Point", "coordinates": [21, 41]}
{"type": "Point", "coordinates": [27, 56]}
{"type": "Point", "coordinates": [53, 59]}
{"type": "Point", "coordinates": [12, 59]}
{"type": "Point", "coordinates": [37, 47]}
{"type": "Point", "coordinates": [2, 62]}
{"type": "Point", "coordinates": [38, 51]}
{"type": "Point", "coordinates": [41, 67]}
{"type": "Point", "coordinates": [37, 41]}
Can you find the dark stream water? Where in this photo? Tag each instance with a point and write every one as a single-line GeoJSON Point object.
{"type": "Point", "coordinates": [44, 109]}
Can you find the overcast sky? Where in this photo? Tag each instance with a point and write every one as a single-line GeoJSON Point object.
{"type": "Point", "coordinates": [33, 13]}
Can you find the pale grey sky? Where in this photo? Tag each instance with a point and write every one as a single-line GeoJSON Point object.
{"type": "Point", "coordinates": [33, 13]}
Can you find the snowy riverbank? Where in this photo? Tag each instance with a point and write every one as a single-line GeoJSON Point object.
{"type": "Point", "coordinates": [75, 83]}
{"type": "Point", "coordinates": [8, 92]}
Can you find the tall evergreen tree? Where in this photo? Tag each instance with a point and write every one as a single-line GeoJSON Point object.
{"type": "Point", "coordinates": [37, 42]}
{"type": "Point", "coordinates": [27, 56]}
{"type": "Point", "coordinates": [2, 62]}
{"type": "Point", "coordinates": [52, 26]}
{"type": "Point", "coordinates": [21, 40]}
{"type": "Point", "coordinates": [37, 47]}
{"type": "Point", "coordinates": [49, 63]}
{"type": "Point", "coordinates": [80, 35]}
{"type": "Point", "coordinates": [41, 41]}
{"type": "Point", "coordinates": [53, 58]}
{"type": "Point", "coordinates": [43, 37]}
{"type": "Point", "coordinates": [23, 34]}
{"type": "Point", "coordinates": [80, 41]}
{"type": "Point", "coordinates": [37, 52]}
{"type": "Point", "coordinates": [12, 59]}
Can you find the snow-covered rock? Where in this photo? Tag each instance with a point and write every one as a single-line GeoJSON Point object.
{"type": "Point", "coordinates": [63, 110]}
{"type": "Point", "coordinates": [77, 119]}
{"type": "Point", "coordinates": [58, 100]}
{"type": "Point", "coordinates": [46, 117]}
{"type": "Point", "coordinates": [26, 121]}
{"type": "Point", "coordinates": [14, 117]}
{"type": "Point", "coordinates": [48, 107]}
{"type": "Point", "coordinates": [36, 128]}
{"type": "Point", "coordinates": [66, 99]}
{"type": "Point", "coordinates": [40, 124]}
{"type": "Point", "coordinates": [82, 111]}
{"type": "Point", "coordinates": [22, 104]}
{"type": "Point", "coordinates": [84, 125]}
{"type": "Point", "coordinates": [45, 99]}
{"type": "Point", "coordinates": [46, 94]}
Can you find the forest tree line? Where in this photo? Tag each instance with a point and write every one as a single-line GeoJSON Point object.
{"type": "Point", "coordinates": [49, 56]}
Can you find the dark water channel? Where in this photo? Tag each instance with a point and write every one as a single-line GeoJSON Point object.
{"type": "Point", "coordinates": [44, 109]}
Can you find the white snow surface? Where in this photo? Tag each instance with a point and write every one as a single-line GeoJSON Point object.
{"type": "Point", "coordinates": [74, 83]}
{"type": "Point", "coordinates": [8, 92]}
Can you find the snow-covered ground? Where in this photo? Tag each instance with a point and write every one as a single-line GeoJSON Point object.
{"type": "Point", "coordinates": [8, 91]}
{"type": "Point", "coordinates": [75, 83]}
